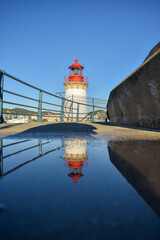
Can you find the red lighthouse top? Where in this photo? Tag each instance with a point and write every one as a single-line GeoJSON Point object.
{"type": "Point", "coordinates": [75, 177]}
{"type": "Point", "coordinates": [77, 170]}
{"type": "Point", "coordinates": [76, 73]}
{"type": "Point", "coordinates": [76, 65]}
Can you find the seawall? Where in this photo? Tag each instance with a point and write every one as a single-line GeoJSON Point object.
{"type": "Point", "coordinates": [136, 100]}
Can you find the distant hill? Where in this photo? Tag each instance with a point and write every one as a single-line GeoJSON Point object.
{"type": "Point", "coordinates": [99, 115]}
{"type": "Point", "coordinates": [25, 111]}
{"type": "Point", "coordinates": [18, 110]}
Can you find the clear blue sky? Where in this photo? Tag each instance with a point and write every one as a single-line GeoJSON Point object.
{"type": "Point", "coordinates": [39, 39]}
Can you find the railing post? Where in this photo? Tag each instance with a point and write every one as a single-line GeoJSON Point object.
{"type": "Point", "coordinates": [92, 111]}
{"type": "Point", "coordinates": [1, 97]}
{"type": "Point", "coordinates": [1, 157]}
{"type": "Point", "coordinates": [77, 120]}
{"type": "Point", "coordinates": [39, 117]}
{"type": "Point", "coordinates": [105, 117]}
{"type": "Point", "coordinates": [62, 111]}
{"type": "Point", "coordinates": [40, 146]}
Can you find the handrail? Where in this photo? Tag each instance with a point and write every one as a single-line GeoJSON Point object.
{"type": "Point", "coordinates": [18, 104]}
{"type": "Point", "coordinates": [51, 94]}
{"type": "Point", "coordinates": [74, 109]}
{"type": "Point", "coordinates": [19, 95]}
{"type": "Point", "coordinates": [18, 80]}
{"type": "Point", "coordinates": [33, 99]}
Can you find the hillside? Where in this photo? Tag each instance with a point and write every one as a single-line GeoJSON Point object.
{"type": "Point", "coordinates": [25, 111]}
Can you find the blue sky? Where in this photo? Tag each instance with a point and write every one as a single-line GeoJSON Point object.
{"type": "Point", "coordinates": [39, 39]}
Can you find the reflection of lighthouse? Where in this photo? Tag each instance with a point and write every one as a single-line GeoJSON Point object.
{"type": "Point", "coordinates": [75, 157]}
{"type": "Point", "coordinates": [75, 90]}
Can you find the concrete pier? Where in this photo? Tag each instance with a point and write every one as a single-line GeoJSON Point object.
{"type": "Point", "coordinates": [35, 129]}
{"type": "Point", "coordinates": [136, 100]}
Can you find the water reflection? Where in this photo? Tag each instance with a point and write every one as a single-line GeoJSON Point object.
{"type": "Point", "coordinates": [75, 157]}
{"type": "Point", "coordinates": [20, 148]}
{"type": "Point", "coordinates": [106, 206]}
{"type": "Point", "coordinates": [1, 159]}
{"type": "Point", "coordinates": [139, 163]}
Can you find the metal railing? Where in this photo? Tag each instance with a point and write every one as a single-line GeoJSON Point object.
{"type": "Point", "coordinates": [59, 111]}
{"type": "Point", "coordinates": [21, 149]}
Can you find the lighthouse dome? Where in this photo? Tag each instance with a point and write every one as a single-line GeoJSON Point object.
{"type": "Point", "coordinates": [76, 65]}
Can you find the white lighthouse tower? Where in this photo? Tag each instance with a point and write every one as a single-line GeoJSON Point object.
{"type": "Point", "coordinates": [76, 90]}
{"type": "Point", "coordinates": [75, 157]}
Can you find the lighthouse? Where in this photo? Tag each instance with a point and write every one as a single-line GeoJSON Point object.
{"type": "Point", "coordinates": [75, 90]}
{"type": "Point", "coordinates": [75, 157]}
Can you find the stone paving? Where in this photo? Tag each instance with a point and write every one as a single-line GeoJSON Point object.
{"type": "Point", "coordinates": [92, 129]}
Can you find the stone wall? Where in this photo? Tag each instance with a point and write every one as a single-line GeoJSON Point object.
{"type": "Point", "coordinates": [136, 100]}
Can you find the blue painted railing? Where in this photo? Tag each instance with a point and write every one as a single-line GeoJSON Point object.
{"type": "Point", "coordinates": [59, 111]}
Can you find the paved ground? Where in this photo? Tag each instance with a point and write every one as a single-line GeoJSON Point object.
{"type": "Point", "coordinates": [91, 129]}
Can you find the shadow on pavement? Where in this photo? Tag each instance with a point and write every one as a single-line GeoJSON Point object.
{"type": "Point", "coordinates": [58, 129]}
{"type": "Point", "coordinates": [67, 127]}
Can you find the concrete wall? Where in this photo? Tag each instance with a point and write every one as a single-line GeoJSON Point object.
{"type": "Point", "coordinates": [136, 100]}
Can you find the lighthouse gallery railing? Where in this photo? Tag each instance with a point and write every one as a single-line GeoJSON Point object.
{"type": "Point", "coordinates": [43, 113]}
{"type": "Point", "coordinates": [66, 79]}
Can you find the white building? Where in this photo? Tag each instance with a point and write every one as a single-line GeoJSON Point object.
{"type": "Point", "coordinates": [76, 90]}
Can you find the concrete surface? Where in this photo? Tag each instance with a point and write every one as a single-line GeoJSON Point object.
{"type": "Point", "coordinates": [136, 100]}
{"type": "Point", "coordinates": [89, 129]}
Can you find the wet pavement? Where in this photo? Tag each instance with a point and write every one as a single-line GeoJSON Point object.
{"type": "Point", "coordinates": [79, 187]}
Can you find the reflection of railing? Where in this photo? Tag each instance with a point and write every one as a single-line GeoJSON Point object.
{"type": "Point", "coordinates": [39, 108]}
{"type": "Point", "coordinates": [85, 78]}
{"type": "Point", "coordinates": [39, 145]}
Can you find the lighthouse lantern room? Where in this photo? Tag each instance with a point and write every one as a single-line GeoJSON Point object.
{"type": "Point", "coordinates": [76, 90]}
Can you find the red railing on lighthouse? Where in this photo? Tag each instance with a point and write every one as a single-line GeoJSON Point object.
{"type": "Point", "coordinates": [66, 78]}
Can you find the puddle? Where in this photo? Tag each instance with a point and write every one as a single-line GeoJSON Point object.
{"type": "Point", "coordinates": [79, 188]}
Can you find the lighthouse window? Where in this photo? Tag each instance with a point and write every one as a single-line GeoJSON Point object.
{"type": "Point", "coordinates": [72, 71]}
{"type": "Point", "coordinates": [76, 71]}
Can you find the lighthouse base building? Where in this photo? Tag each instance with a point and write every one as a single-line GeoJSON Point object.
{"type": "Point", "coordinates": [75, 90]}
